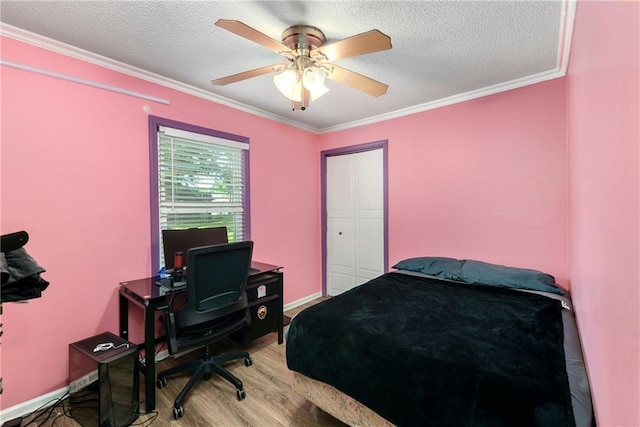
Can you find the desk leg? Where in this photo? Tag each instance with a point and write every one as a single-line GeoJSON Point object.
{"type": "Point", "coordinates": [124, 317]}
{"type": "Point", "coordinates": [281, 309]}
{"type": "Point", "coordinates": [149, 359]}
{"type": "Point", "coordinates": [149, 349]}
{"type": "Point", "coordinates": [280, 328]}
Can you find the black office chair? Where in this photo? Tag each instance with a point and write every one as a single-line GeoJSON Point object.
{"type": "Point", "coordinates": [216, 307]}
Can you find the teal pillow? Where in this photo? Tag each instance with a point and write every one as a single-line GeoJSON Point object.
{"type": "Point", "coordinates": [481, 273]}
{"type": "Point", "coordinates": [444, 268]}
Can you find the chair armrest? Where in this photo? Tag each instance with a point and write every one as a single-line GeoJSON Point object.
{"type": "Point", "coordinates": [170, 331]}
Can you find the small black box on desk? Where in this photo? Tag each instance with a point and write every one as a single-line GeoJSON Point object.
{"type": "Point", "coordinates": [103, 381]}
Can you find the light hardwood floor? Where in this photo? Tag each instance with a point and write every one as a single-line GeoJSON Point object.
{"type": "Point", "coordinates": [270, 399]}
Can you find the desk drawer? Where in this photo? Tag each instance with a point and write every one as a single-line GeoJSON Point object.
{"type": "Point", "coordinates": [264, 320]}
{"type": "Point", "coordinates": [263, 288]}
{"type": "Point", "coordinates": [264, 317]}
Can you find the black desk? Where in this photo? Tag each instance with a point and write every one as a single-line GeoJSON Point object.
{"type": "Point", "coordinates": [264, 291]}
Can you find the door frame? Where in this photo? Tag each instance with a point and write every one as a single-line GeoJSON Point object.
{"type": "Point", "coordinates": [383, 144]}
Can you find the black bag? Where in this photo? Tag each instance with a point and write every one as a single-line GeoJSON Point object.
{"type": "Point", "coordinates": [19, 272]}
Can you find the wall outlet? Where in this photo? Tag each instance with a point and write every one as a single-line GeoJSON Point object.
{"type": "Point", "coordinates": [83, 381]}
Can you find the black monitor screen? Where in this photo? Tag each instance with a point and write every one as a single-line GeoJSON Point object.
{"type": "Point", "coordinates": [182, 240]}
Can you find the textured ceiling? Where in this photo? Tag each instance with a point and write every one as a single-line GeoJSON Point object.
{"type": "Point", "coordinates": [443, 51]}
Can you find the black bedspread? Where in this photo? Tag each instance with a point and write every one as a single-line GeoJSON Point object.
{"type": "Point", "coordinates": [420, 351]}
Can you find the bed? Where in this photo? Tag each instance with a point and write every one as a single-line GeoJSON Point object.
{"type": "Point", "coordinates": [444, 342]}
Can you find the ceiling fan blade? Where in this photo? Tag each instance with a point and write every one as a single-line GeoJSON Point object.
{"type": "Point", "coordinates": [243, 30]}
{"type": "Point", "coordinates": [369, 42]}
{"type": "Point", "coordinates": [357, 81]}
{"type": "Point", "coordinates": [245, 75]}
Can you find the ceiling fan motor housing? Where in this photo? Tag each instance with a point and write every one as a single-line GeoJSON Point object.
{"type": "Point", "coordinates": [303, 37]}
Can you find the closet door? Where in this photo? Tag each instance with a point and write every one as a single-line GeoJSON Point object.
{"type": "Point", "coordinates": [355, 220]}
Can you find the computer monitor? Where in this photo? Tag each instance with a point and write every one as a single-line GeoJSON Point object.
{"type": "Point", "coordinates": [182, 240]}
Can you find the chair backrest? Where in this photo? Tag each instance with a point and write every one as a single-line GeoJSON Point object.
{"type": "Point", "coordinates": [216, 281]}
{"type": "Point", "coordinates": [182, 240]}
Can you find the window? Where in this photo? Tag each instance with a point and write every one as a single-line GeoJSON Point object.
{"type": "Point", "coordinates": [199, 179]}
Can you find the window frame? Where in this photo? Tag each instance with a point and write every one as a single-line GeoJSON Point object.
{"type": "Point", "coordinates": [155, 123]}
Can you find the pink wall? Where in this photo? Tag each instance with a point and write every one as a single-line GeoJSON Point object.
{"type": "Point", "coordinates": [604, 188]}
{"type": "Point", "coordinates": [484, 179]}
{"type": "Point", "coordinates": [75, 176]}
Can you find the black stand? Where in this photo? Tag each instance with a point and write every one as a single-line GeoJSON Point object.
{"type": "Point", "coordinates": [11, 242]}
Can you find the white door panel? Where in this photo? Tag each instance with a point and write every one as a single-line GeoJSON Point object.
{"type": "Point", "coordinates": [341, 282]}
{"type": "Point", "coordinates": [369, 181]}
{"type": "Point", "coordinates": [341, 184]}
{"type": "Point", "coordinates": [365, 277]}
{"type": "Point", "coordinates": [341, 242]}
{"type": "Point", "coordinates": [370, 248]}
{"type": "Point", "coordinates": [355, 220]}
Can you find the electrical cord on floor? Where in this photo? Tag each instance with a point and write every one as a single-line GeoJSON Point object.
{"type": "Point", "coordinates": [83, 399]}
{"type": "Point", "coordinates": [152, 416]}
{"type": "Point", "coordinates": [41, 418]}
{"type": "Point", "coordinates": [162, 345]}
{"type": "Point", "coordinates": [41, 415]}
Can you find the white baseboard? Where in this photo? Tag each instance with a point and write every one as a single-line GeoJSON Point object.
{"type": "Point", "coordinates": [161, 355]}
{"type": "Point", "coordinates": [46, 400]}
{"type": "Point", "coordinates": [302, 301]}
{"type": "Point", "coordinates": [32, 405]}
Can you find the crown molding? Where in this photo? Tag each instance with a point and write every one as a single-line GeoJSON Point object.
{"type": "Point", "coordinates": [568, 15]}
{"type": "Point", "coordinates": [455, 99]}
{"type": "Point", "coordinates": [564, 45]}
{"type": "Point", "coordinates": [102, 61]}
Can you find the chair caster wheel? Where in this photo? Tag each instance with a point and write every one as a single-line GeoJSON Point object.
{"type": "Point", "coordinates": [178, 412]}
{"type": "Point", "coordinates": [161, 382]}
{"type": "Point", "coordinates": [241, 394]}
{"type": "Point", "coordinates": [248, 362]}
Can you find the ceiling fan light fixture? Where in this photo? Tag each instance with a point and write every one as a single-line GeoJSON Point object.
{"type": "Point", "coordinates": [313, 78]}
{"type": "Point", "coordinates": [317, 92]}
{"type": "Point", "coordinates": [288, 83]}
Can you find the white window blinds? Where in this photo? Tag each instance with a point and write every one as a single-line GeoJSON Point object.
{"type": "Point", "coordinates": [201, 182]}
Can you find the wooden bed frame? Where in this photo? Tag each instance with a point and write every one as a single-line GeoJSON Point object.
{"type": "Point", "coordinates": [334, 402]}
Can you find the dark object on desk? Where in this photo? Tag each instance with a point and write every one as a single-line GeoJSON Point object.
{"type": "Point", "coordinates": [103, 381]}
{"type": "Point", "coordinates": [19, 271]}
{"type": "Point", "coordinates": [180, 241]}
{"type": "Point", "coordinates": [171, 283]}
{"type": "Point", "coordinates": [216, 307]}
{"type": "Point", "coordinates": [164, 282]}
{"type": "Point", "coordinates": [177, 261]}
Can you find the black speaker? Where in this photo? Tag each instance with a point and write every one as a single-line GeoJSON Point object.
{"type": "Point", "coordinates": [103, 381]}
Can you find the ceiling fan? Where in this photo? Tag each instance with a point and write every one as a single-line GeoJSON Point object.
{"type": "Point", "coordinates": [308, 61]}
